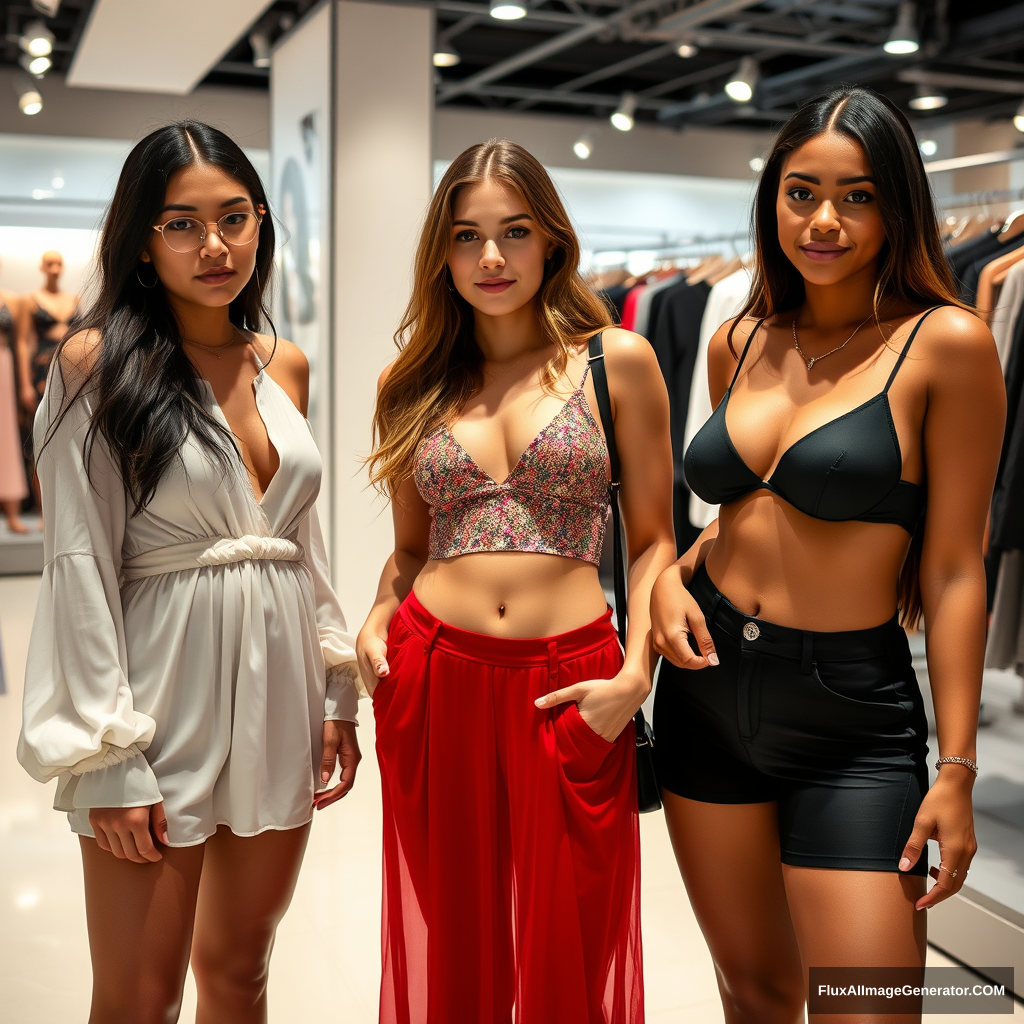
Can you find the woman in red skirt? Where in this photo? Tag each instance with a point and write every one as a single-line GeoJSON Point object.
{"type": "Point", "coordinates": [502, 700]}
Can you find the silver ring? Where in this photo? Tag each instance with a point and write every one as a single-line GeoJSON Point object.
{"type": "Point", "coordinates": [952, 874]}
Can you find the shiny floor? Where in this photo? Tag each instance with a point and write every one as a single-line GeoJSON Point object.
{"type": "Point", "coordinates": [326, 962]}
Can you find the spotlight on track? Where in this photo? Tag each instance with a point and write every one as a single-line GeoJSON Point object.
{"type": "Point", "coordinates": [30, 101]}
{"type": "Point", "coordinates": [446, 56]}
{"type": "Point", "coordinates": [927, 99]}
{"type": "Point", "coordinates": [687, 48]}
{"type": "Point", "coordinates": [740, 88]}
{"type": "Point", "coordinates": [260, 43]}
{"type": "Point", "coordinates": [508, 10]}
{"type": "Point", "coordinates": [35, 66]}
{"type": "Point", "coordinates": [904, 38]}
{"type": "Point", "coordinates": [36, 39]}
{"type": "Point", "coordinates": [584, 146]}
{"type": "Point", "coordinates": [928, 147]}
{"type": "Point", "coordinates": [623, 116]}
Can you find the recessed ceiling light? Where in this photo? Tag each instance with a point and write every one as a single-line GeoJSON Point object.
{"type": "Point", "coordinates": [687, 48]}
{"type": "Point", "coordinates": [756, 164]}
{"type": "Point", "coordinates": [1018, 118]}
{"type": "Point", "coordinates": [928, 147]}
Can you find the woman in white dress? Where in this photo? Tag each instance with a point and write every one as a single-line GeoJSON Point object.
{"type": "Point", "coordinates": [190, 682]}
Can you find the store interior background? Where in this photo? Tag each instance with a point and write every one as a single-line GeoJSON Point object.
{"type": "Point", "coordinates": [348, 92]}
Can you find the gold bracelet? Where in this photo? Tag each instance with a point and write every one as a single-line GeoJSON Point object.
{"type": "Point", "coordinates": [973, 765]}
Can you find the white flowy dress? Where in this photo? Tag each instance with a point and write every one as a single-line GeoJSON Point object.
{"type": "Point", "coordinates": [190, 653]}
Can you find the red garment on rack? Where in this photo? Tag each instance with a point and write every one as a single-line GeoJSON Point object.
{"type": "Point", "coordinates": [511, 833]}
{"type": "Point", "coordinates": [629, 307]}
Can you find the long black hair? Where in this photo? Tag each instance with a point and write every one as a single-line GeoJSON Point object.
{"type": "Point", "coordinates": [147, 396]}
{"type": "Point", "coordinates": [912, 268]}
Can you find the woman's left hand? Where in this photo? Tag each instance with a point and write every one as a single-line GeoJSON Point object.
{"type": "Point", "coordinates": [946, 815]}
{"type": "Point", "coordinates": [340, 745]}
{"type": "Point", "coordinates": [606, 705]}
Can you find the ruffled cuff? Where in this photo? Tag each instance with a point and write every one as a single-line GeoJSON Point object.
{"type": "Point", "coordinates": [129, 782]}
{"type": "Point", "coordinates": [342, 700]}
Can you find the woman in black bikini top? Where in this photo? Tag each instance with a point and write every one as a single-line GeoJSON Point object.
{"type": "Point", "coordinates": [790, 731]}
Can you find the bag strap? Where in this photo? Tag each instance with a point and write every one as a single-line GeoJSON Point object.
{"type": "Point", "coordinates": [595, 358]}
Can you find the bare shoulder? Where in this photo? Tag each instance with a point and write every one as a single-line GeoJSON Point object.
{"type": "Point", "coordinates": [385, 373]}
{"type": "Point", "coordinates": [79, 353]}
{"type": "Point", "coordinates": [955, 336]}
{"type": "Point", "coordinates": [723, 350]}
{"type": "Point", "coordinates": [628, 354]}
{"type": "Point", "coordinates": [288, 356]}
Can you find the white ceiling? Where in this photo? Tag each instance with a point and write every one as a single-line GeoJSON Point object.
{"type": "Point", "coordinates": [157, 45]}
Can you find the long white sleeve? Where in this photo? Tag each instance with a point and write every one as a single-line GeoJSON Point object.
{"type": "Point", "coordinates": [79, 722]}
{"type": "Point", "coordinates": [344, 687]}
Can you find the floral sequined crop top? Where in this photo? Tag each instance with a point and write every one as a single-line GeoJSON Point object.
{"type": "Point", "coordinates": [555, 499]}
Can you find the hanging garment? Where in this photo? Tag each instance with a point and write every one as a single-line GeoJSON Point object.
{"type": "Point", "coordinates": [1005, 646]}
{"type": "Point", "coordinates": [643, 321]}
{"type": "Point", "coordinates": [13, 484]}
{"type": "Point", "coordinates": [676, 339]}
{"type": "Point", "coordinates": [629, 306]}
{"type": "Point", "coordinates": [1008, 307]}
{"type": "Point", "coordinates": [511, 833]}
{"type": "Point", "coordinates": [1007, 527]}
{"type": "Point", "coordinates": [724, 302]}
{"type": "Point", "coordinates": [190, 653]}
{"type": "Point", "coordinates": [961, 257]}
{"type": "Point", "coordinates": [997, 247]}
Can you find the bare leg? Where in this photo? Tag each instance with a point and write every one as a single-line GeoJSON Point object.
{"type": "Point", "coordinates": [246, 888]}
{"type": "Point", "coordinates": [729, 858]}
{"type": "Point", "coordinates": [12, 509]}
{"type": "Point", "coordinates": [857, 919]}
{"type": "Point", "coordinates": [140, 927]}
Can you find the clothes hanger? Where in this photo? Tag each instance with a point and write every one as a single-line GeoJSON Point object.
{"type": "Point", "coordinates": [1013, 226]}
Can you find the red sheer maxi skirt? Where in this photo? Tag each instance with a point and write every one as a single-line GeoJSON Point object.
{"type": "Point", "coordinates": [511, 834]}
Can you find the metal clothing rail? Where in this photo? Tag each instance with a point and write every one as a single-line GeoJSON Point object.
{"type": "Point", "coordinates": [1005, 195]}
{"type": "Point", "coordinates": [676, 245]}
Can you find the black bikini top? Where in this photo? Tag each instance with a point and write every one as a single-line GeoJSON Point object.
{"type": "Point", "coordinates": [846, 469]}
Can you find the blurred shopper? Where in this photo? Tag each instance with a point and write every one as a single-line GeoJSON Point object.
{"type": "Point", "coordinates": [791, 738]}
{"type": "Point", "coordinates": [503, 704]}
{"type": "Point", "coordinates": [13, 485]}
{"type": "Point", "coordinates": [190, 677]}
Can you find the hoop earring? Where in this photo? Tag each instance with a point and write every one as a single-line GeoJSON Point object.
{"type": "Point", "coordinates": [138, 278]}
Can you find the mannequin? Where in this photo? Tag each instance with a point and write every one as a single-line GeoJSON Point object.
{"type": "Point", "coordinates": [45, 317]}
{"type": "Point", "coordinates": [489, 646]}
{"type": "Point", "coordinates": [13, 486]}
{"type": "Point", "coordinates": [791, 735]}
{"type": "Point", "coordinates": [190, 676]}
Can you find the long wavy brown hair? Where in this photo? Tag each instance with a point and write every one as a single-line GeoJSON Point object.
{"type": "Point", "coordinates": [912, 267]}
{"type": "Point", "coordinates": [439, 364]}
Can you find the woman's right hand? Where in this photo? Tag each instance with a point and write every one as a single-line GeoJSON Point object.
{"type": "Point", "coordinates": [130, 833]}
{"type": "Point", "coordinates": [675, 618]}
{"type": "Point", "coordinates": [372, 654]}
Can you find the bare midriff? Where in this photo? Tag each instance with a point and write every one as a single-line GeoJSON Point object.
{"type": "Point", "coordinates": [512, 593]}
{"type": "Point", "coordinates": [780, 565]}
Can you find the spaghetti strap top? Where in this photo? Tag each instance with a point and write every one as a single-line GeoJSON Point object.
{"type": "Point", "coordinates": [848, 469]}
{"type": "Point", "coordinates": [554, 501]}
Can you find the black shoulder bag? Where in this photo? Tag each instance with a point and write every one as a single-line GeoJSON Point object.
{"type": "Point", "coordinates": [648, 792]}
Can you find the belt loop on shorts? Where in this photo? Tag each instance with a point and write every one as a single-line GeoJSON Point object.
{"type": "Point", "coordinates": [806, 653]}
{"type": "Point", "coordinates": [553, 663]}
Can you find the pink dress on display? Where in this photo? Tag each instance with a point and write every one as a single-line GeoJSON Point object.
{"type": "Point", "coordinates": [13, 485]}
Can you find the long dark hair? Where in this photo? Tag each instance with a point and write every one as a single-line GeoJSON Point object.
{"type": "Point", "coordinates": [912, 267]}
{"type": "Point", "coordinates": [147, 396]}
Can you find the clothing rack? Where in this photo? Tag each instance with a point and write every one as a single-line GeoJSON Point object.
{"type": "Point", "coordinates": [1006, 195]}
{"type": "Point", "coordinates": [684, 246]}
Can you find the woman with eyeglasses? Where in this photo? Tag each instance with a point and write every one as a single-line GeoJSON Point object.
{"type": "Point", "coordinates": [190, 678]}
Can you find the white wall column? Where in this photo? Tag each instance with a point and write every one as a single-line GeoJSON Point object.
{"type": "Point", "coordinates": [382, 184]}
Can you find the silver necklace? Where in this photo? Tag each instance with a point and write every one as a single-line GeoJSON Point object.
{"type": "Point", "coordinates": [817, 359]}
{"type": "Point", "coordinates": [216, 350]}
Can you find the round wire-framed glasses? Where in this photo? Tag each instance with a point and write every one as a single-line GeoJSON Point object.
{"type": "Point", "coordinates": [186, 234]}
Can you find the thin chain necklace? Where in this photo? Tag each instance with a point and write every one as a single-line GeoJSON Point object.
{"type": "Point", "coordinates": [817, 359]}
{"type": "Point", "coordinates": [217, 350]}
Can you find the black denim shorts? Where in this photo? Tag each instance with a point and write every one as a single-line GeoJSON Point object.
{"type": "Point", "coordinates": [829, 725]}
